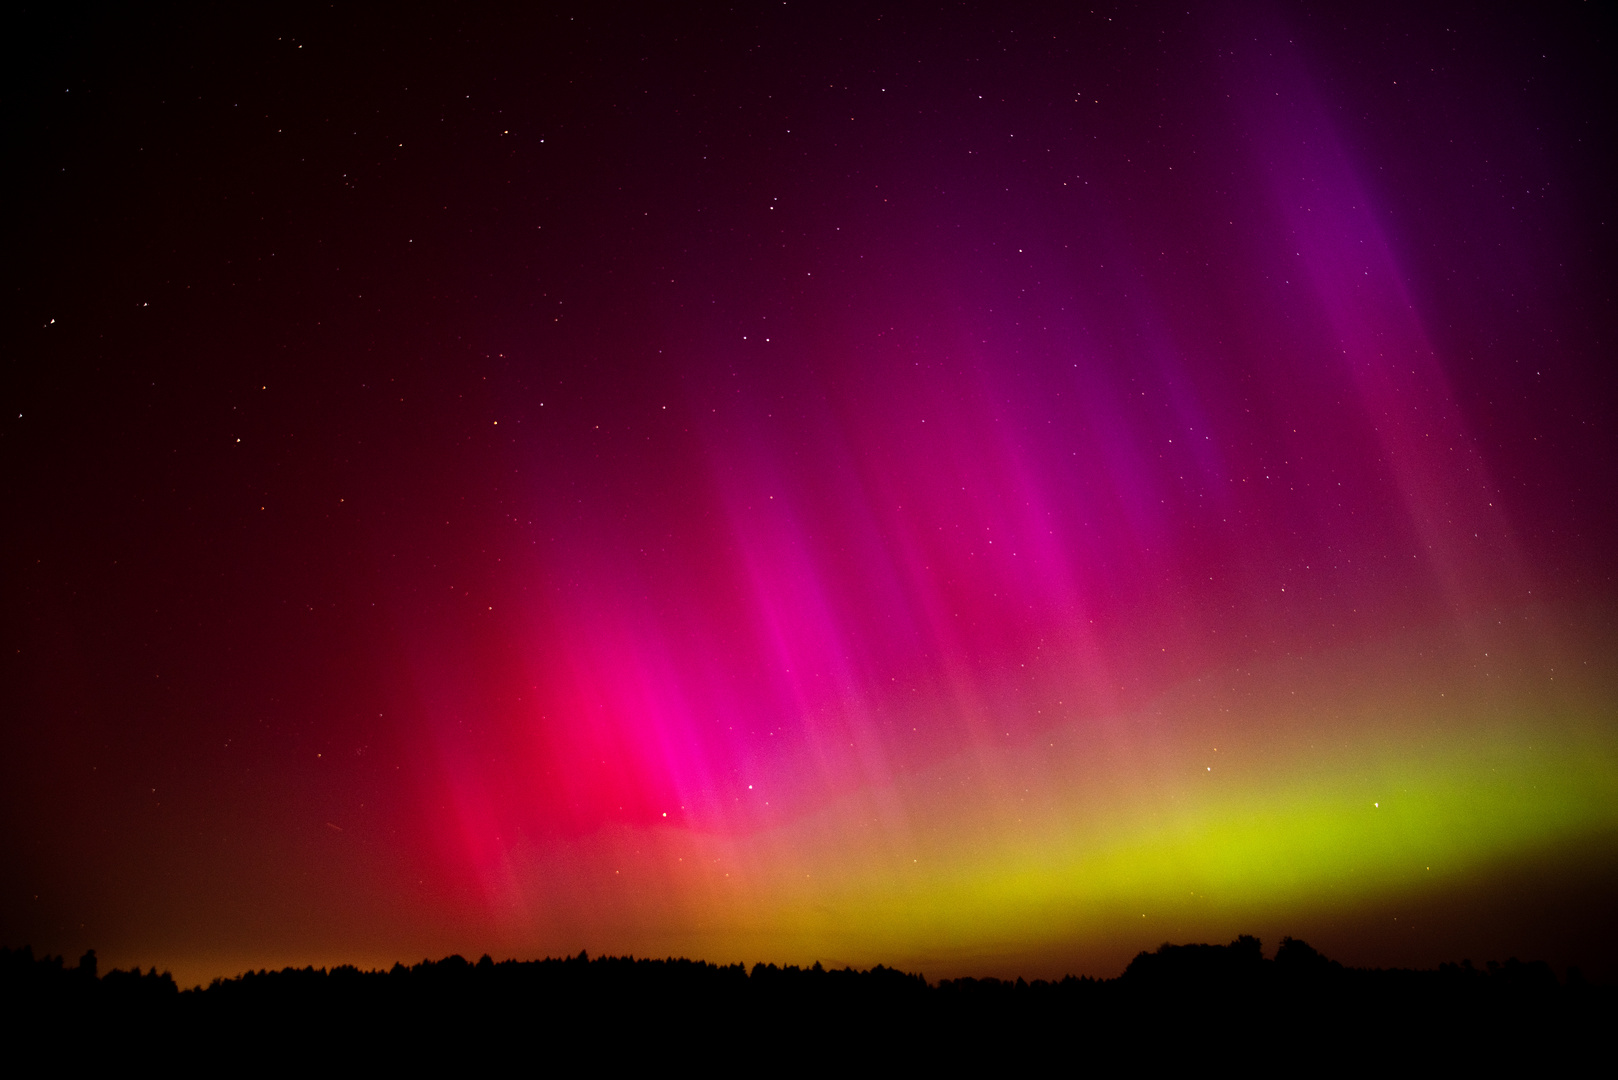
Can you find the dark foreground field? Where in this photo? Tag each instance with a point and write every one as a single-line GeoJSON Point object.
{"type": "Point", "coordinates": [1181, 1003]}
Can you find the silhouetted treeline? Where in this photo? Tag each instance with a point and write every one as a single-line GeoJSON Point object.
{"type": "Point", "coordinates": [1173, 999]}
{"type": "Point", "coordinates": [27, 980]}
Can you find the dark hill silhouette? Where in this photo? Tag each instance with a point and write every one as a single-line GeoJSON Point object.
{"type": "Point", "coordinates": [1170, 1001]}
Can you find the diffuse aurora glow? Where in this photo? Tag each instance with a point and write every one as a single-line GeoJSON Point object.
{"type": "Point", "coordinates": [1216, 806]}
{"type": "Point", "coordinates": [913, 705]}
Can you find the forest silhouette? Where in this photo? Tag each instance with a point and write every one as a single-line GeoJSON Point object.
{"type": "Point", "coordinates": [1170, 1001]}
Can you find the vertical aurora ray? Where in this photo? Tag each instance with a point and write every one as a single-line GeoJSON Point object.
{"type": "Point", "coordinates": [987, 636]}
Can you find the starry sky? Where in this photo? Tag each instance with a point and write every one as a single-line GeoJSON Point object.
{"type": "Point", "coordinates": [986, 489]}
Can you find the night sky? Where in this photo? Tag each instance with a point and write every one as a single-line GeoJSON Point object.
{"type": "Point", "coordinates": [977, 489]}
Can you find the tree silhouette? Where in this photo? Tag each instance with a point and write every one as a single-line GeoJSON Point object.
{"type": "Point", "coordinates": [1178, 999]}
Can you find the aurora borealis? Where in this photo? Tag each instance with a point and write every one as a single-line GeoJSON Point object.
{"type": "Point", "coordinates": [981, 490]}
